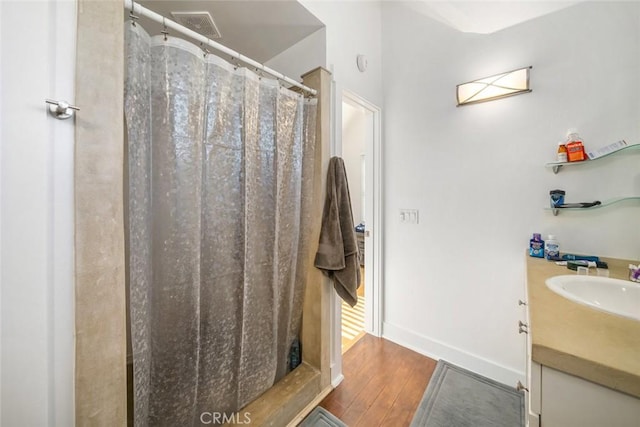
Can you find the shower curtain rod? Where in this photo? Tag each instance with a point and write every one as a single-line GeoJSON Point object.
{"type": "Point", "coordinates": [138, 9]}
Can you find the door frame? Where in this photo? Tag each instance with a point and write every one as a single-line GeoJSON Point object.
{"type": "Point", "coordinates": [373, 254]}
{"type": "Point", "coordinates": [373, 180]}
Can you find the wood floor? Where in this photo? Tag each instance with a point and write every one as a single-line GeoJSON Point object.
{"type": "Point", "coordinates": [383, 384]}
{"type": "Point", "coordinates": [352, 323]}
{"type": "Point", "coordinates": [353, 318]}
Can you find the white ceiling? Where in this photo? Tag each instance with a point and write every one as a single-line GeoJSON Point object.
{"type": "Point", "coordinates": [259, 29]}
{"type": "Point", "coordinates": [484, 17]}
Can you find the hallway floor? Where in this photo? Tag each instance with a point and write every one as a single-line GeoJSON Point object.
{"type": "Point", "coordinates": [383, 384]}
{"type": "Point", "coordinates": [353, 318]}
{"type": "Point", "coordinates": [352, 323]}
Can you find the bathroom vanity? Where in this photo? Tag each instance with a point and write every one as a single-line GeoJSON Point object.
{"type": "Point", "coordinates": [583, 365]}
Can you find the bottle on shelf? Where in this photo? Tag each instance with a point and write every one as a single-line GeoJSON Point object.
{"type": "Point", "coordinates": [575, 147]}
{"type": "Point", "coordinates": [562, 152]}
{"type": "Point", "coordinates": [556, 198]}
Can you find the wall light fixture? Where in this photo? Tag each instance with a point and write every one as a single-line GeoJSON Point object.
{"type": "Point", "coordinates": [494, 87]}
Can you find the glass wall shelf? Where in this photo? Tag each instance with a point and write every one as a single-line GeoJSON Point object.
{"type": "Point", "coordinates": [604, 204]}
{"type": "Point", "coordinates": [556, 166]}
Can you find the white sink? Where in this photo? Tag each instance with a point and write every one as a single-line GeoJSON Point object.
{"type": "Point", "coordinates": [620, 297]}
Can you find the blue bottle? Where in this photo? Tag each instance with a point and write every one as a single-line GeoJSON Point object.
{"type": "Point", "coordinates": [536, 246]}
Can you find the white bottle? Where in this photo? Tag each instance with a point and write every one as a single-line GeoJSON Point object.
{"type": "Point", "coordinates": [562, 153]}
{"type": "Point", "coordinates": [552, 248]}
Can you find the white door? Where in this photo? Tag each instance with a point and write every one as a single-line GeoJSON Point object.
{"type": "Point", "coordinates": [37, 61]}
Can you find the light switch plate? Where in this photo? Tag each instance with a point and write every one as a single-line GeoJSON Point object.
{"type": "Point", "coordinates": [409, 216]}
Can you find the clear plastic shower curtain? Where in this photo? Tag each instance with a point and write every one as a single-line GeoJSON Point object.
{"type": "Point", "coordinates": [220, 175]}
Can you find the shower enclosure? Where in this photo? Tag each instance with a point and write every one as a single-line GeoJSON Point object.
{"type": "Point", "coordinates": [221, 174]}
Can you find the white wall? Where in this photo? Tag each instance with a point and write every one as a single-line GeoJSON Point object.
{"type": "Point", "coordinates": [354, 134]}
{"type": "Point", "coordinates": [36, 213]}
{"type": "Point", "coordinates": [477, 175]}
{"type": "Point", "coordinates": [352, 28]}
{"type": "Point", "coordinates": [304, 56]}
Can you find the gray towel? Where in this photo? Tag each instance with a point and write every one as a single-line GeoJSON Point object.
{"type": "Point", "coordinates": [337, 254]}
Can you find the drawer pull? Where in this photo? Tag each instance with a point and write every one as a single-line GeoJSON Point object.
{"type": "Point", "coordinates": [520, 387]}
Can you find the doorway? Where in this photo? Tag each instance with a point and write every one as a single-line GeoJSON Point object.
{"type": "Point", "coordinates": [360, 147]}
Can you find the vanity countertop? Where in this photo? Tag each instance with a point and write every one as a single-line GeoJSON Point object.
{"type": "Point", "coordinates": [573, 338]}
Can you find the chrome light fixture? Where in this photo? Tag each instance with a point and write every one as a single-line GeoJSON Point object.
{"type": "Point", "coordinates": [494, 87]}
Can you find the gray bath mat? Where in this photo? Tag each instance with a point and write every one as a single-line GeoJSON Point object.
{"type": "Point", "coordinates": [456, 397]}
{"type": "Point", "coordinates": [320, 417]}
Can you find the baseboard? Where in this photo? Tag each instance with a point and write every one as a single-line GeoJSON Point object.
{"type": "Point", "coordinates": [438, 350]}
{"type": "Point", "coordinates": [533, 420]}
{"type": "Point", "coordinates": [335, 382]}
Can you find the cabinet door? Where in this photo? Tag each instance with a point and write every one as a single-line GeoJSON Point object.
{"type": "Point", "coordinates": [533, 401]}
{"type": "Point", "coordinates": [569, 401]}
{"type": "Point", "coordinates": [532, 394]}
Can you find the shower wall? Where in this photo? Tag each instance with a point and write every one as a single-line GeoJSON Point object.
{"type": "Point", "coordinates": [100, 386]}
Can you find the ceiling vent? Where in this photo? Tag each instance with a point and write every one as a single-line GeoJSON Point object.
{"type": "Point", "coordinates": [200, 22]}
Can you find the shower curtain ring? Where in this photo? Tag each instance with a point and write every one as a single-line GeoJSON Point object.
{"type": "Point", "coordinates": [204, 49]}
{"type": "Point", "coordinates": [164, 31]}
{"type": "Point", "coordinates": [132, 15]}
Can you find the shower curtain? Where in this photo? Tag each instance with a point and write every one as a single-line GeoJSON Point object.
{"type": "Point", "coordinates": [220, 166]}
